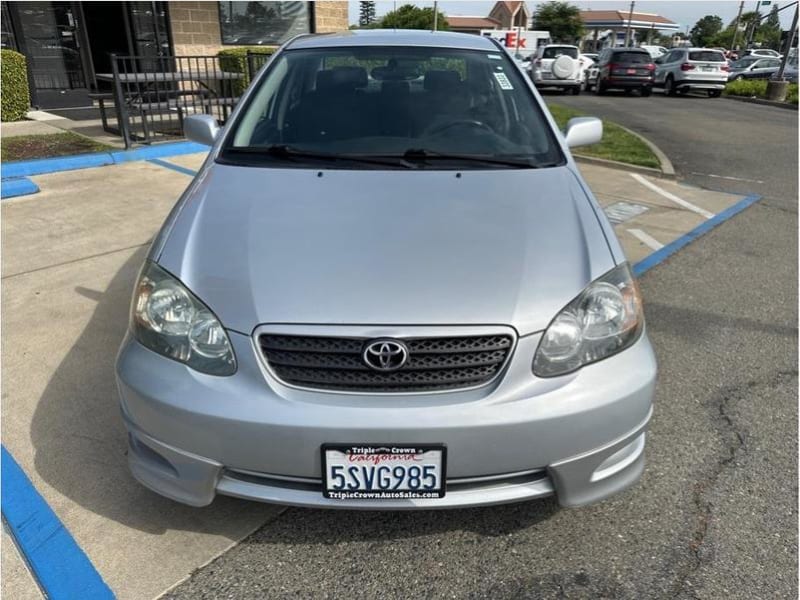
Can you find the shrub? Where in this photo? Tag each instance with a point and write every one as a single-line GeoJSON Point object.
{"type": "Point", "coordinates": [791, 95]}
{"type": "Point", "coordinates": [234, 60]}
{"type": "Point", "coordinates": [747, 87]}
{"type": "Point", "coordinates": [14, 97]}
{"type": "Point", "coordinates": [758, 88]}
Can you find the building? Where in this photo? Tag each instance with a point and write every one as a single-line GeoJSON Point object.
{"type": "Point", "coordinates": [472, 24]}
{"type": "Point", "coordinates": [608, 28]}
{"type": "Point", "coordinates": [68, 43]}
{"type": "Point", "coordinates": [510, 15]}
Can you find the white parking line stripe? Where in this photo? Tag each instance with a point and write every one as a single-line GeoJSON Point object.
{"type": "Point", "coordinates": [728, 177]}
{"type": "Point", "coordinates": [672, 197]}
{"type": "Point", "coordinates": [646, 239]}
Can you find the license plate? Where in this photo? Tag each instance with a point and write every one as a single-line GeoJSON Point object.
{"type": "Point", "coordinates": [631, 71]}
{"type": "Point", "coordinates": [707, 69]}
{"type": "Point", "coordinates": [383, 472]}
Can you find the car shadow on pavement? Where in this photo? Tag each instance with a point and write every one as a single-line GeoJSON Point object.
{"type": "Point", "coordinates": [312, 526]}
{"type": "Point", "coordinates": [80, 442]}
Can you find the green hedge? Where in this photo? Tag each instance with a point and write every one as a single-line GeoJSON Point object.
{"type": "Point", "coordinates": [14, 97]}
{"type": "Point", "coordinates": [758, 88]}
{"type": "Point", "coordinates": [235, 60]}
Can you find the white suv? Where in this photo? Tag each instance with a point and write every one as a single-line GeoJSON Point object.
{"type": "Point", "coordinates": [685, 69]}
{"type": "Point", "coordinates": [557, 65]}
{"type": "Point", "coordinates": [763, 52]}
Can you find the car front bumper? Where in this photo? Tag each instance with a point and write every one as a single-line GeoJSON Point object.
{"type": "Point", "coordinates": [580, 436]}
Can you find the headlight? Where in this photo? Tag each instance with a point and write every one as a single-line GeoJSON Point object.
{"type": "Point", "coordinates": [170, 320]}
{"type": "Point", "coordinates": [604, 319]}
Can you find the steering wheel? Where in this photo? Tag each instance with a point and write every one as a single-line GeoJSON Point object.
{"type": "Point", "coordinates": [434, 129]}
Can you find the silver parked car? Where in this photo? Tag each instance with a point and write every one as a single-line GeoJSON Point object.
{"type": "Point", "coordinates": [388, 287]}
{"type": "Point", "coordinates": [682, 70]}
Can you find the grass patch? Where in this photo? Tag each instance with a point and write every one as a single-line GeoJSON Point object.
{"type": "Point", "coordinates": [617, 144]}
{"type": "Point", "coordinates": [26, 147]}
{"type": "Point", "coordinates": [757, 88]}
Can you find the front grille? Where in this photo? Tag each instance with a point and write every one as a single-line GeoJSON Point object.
{"type": "Point", "coordinates": [434, 363]}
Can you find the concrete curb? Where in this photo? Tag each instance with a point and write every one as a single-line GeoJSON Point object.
{"type": "Point", "coordinates": [43, 166]}
{"type": "Point", "coordinates": [754, 100]}
{"type": "Point", "coordinates": [17, 186]}
{"type": "Point", "coordinates": [667, 171]}
{"type": "Point", "coordinates": [615, 164]}
{"type": "Point", "coordinates": [666, 164]}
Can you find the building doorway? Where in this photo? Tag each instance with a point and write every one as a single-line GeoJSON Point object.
{"type": "Point", "coordinates": [67, 43]}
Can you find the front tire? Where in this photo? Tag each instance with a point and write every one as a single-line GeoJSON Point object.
{"type": "Point", "coordinates": [600, 90]}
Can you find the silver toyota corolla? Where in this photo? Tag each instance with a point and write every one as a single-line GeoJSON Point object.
{"type": "Point", "coordinates": [388, 287]}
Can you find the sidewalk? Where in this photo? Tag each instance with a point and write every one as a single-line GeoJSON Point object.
{"type": "Point", "coordinates": [44, 123]}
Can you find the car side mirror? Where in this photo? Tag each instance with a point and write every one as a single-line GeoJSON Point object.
{"type": "Point", "coordinates": [202, 129]}
{"type": "Point", "coordinates": [583, 131]}
{"type": "Point", "coordinates": [658, 61]}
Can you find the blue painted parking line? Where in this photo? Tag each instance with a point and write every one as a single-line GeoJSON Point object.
{"type": "Point", "coordinates": [173, 166]}
{"type": "Point", "coordinates": [43, 166]}
{"type": "Point", "coordinates": [17, 186]}
{"type": "Point", "coordinates": [59, 565]}
{"type": "Point", "coordinates": [661, 255]}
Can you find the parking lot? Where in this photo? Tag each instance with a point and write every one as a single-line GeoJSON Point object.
{"type": "Point", "coordinates": [714, 515]}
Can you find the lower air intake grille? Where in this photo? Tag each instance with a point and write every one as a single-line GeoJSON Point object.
{"type": "Point", "coordinates": [434, 363]}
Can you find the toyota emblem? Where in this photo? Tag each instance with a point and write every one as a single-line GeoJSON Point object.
{"type": "Point", "coordinates": [385, 355]}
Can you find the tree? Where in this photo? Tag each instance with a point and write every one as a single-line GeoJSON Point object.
{"type": "Point", "coordinates": [561, 19]}
{"type": "Point", "coordinates": [705, 29]}
{"type": "Point", "coordinates": [409, 16]}
{"type": "Point", "coordinates": [769, 33]}
{"type": "Point", "coordinates": [366, 16]}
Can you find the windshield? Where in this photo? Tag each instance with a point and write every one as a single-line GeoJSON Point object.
{"type": "Point", "coordinates": [633, 57]}
{"type": "Point", "coordinates": [556, 51]}
{"type": "Point", "coordinates": [408, 106]}
{"type": "Point", "coordinates": [707, 55]}
{"type": "Point", "coordinates": [743, 63]}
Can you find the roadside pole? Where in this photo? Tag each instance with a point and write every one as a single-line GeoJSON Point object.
{"type": "Point", "coordinates": [753, 26]}
{"type": "Point", "coordinates": [435, 16]}
{"type": "Point", "coordinates": [628, 30]}
{"type": "Point", "coordinates": [777, 88]}
{"type": "Point", "coordinates": [736, 27]}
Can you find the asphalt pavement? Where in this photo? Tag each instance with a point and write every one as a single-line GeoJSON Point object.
{"type": "Point", "coordinates": [715, 514]}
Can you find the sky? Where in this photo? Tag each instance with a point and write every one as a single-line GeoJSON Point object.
{"type": "Point", "coordinates": [684, 12]}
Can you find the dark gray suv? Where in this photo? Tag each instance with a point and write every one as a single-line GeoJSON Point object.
{"type": "Point", "coordinates": [624, 68]}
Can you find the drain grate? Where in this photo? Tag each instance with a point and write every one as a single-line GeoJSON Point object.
{"type": "Point", "coordinates": [619, 212]}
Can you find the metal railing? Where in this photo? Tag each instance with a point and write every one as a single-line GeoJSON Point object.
{"type": "Point", "coordinates": [154, 94]}
{"type": "Point", "coordinates": [255, 60]}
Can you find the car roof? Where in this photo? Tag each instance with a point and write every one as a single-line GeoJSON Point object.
{"type": "Point", "coordinates": [393, 37]}
{"type": "Point", "coordinates": [640, 49]}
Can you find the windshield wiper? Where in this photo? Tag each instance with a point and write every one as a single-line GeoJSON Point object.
{"type": "Point", "coordinates": [288, 152]}
{"type": "Point", "coordinates": [423, 154]}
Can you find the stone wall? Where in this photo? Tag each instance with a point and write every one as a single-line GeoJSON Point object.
{"type": "Point", "coordinates": [330, 16]}
{"type": "Point", "coordinates": [196, 31]}
{"type": "Point", "coordinates": [195, 28]}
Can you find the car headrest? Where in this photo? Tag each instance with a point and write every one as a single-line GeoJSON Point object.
{"type": "Point", "coordinates": [441, 80]}
{"type": "Point", "coordinates": [342, 77]}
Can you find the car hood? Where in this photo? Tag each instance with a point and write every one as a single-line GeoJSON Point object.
{"type": "Point", "coordinates": [262, 245]}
